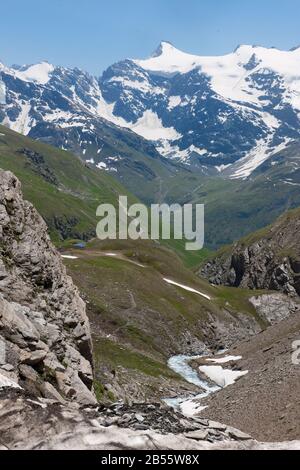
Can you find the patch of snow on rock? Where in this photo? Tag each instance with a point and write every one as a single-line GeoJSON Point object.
{"type": "Point", "coordinates": [174, 101]}
{"type": "Point", "coordinates": [101, 166]}
{"type": "Point", "coordinates": [191, 408]}
{"type": "Point", "coordinates": [2, 92]}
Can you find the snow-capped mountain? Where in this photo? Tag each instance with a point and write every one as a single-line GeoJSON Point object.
{"type": "Point", "coordinates": [64, 107]}
{"type": "Point", "coordinates": [225, 115]}
{"type": "Point", "coordinates": [212, 111]}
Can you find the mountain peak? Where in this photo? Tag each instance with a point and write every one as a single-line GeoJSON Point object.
{"type": "Point", "coordinates": [163, 48]}
{"type": "Point", "coordinates": [244, 46]}
{"type": "Point", "coordinates": [168, 59]}
{"type": "Point", "coordinates": [39, 73]}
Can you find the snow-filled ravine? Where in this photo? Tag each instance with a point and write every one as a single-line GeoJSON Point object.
{"type": "Point", "coordinates": [191, 405]}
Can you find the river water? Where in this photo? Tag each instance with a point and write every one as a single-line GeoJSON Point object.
{"type": "Point", "coordinates": [180, 365]}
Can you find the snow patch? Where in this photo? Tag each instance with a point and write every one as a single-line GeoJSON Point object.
{"type": "Point", "coordinates": [258, 155]}
{"type": "Point", "coordinates": [141, 85]}
{"type": "Point", "coordinates": [23, 123]}
{"type": "Point", "coordinates": [101, 166]}
{"type": "Point", "coordinates": [222, 377]}
{"type": "Point", "coordinates": [224, 360]}
{"type": "Point", "coordinates": [2, 92]}
{"type": "Point", "coordinates": [191, 408]}
{"type": "Point", "coordinates": [174, 101]}
{"type": "Point", "coordinates": [167, 150]}
{"type": "Point", "coordinates": [189, 289]}
{"type": "Point", "coordinates": [148, 126]}
{"type": "Point", "coordinates": [39, 73]}
{"type": "Point", "coordinates": [222, 167]}
{"type": "Point", "coordinates": [151, 127]}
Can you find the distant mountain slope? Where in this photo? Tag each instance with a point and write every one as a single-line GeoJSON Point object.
{"type": "Point", "coordinates": [268, 259]}
{"type": "Point", "coordinates": [235, 208]}
{"type": "Point", "coordinates": [64, 190]}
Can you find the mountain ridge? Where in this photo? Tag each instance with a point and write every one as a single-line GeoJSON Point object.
{"type": "Point", "coordinates": [191, 115]}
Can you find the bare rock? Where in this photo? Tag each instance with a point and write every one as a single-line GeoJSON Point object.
{"type": "Point", "coordinates": [274, 308]}
{"type": "Point", "coordinates": [238, 435]}
{"type": "Point", "coordinates": [50, 392]}
{"type": "Point", "coordinates": [217, 426]}
{"type": "Point", "coordinates": [269, 259]}
{"type": "Point", "coordinates": [43, 321]}
{"type": "Point", "coordinates": [33, 358]}
{"type": "Point", "coordinates": [200, 435]}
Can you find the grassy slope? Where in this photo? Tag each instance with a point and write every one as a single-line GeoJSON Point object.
{"type": "Point", "coordinates": [81, 188]}
{"type": "Point", "coordinates": [79, 191]}
{"type": "Point", "coordinates": [138, 320]}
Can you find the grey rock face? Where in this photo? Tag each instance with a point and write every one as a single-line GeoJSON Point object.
{"type": "Point", "coordinates": [41, 312]}
{"type": "Point", "coordinates": [267, 260]}
{"type": "Point", "coordinates": [274, 308]}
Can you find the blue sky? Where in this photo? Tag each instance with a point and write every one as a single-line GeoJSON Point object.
{"type": "Point", "coordinates": [92, 34]}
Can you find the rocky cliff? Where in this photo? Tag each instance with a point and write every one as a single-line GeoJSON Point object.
{"type": "Point", "coordinates": [268, 259]}
{"type": "Point", "coordinates": [45, 342]}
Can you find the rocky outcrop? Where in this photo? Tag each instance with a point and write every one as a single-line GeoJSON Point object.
{"type": "Point", "coordinates": [45, 341]}
{"type": "Point", "coordinates": [269, 259]}
{"type": "Point", "coordinates": [273, 308]}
